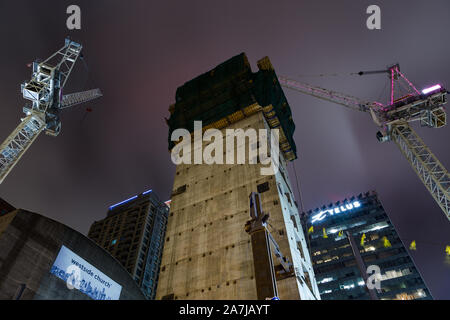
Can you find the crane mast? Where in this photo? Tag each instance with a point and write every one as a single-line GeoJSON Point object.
{"type": "Point", "coordinates": [393, 120]}
{"type": "Point", "coordinates": [44, 90]}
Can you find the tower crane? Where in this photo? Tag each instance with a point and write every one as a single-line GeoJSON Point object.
{"type": "Point", "coordinates": [393, 120]}
{"type": "Point", "coordinates": [44, 90]}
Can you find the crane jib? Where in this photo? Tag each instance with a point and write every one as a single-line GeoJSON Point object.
{"type": "Point", "coordinates": [426, 107]}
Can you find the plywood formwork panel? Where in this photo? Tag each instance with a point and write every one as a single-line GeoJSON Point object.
{"type": "Point", "coordinates": [207, 253]}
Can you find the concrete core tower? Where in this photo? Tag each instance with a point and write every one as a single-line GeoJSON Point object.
{"type": "Point", "coordinates": [207, 253]}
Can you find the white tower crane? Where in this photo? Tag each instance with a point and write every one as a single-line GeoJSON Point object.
{"type": "Point", "coordinates": [393, 120]}
{"type": "Point", "coordinates": [44, 90]}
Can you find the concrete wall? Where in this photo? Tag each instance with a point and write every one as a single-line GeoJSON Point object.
{"type": "Point", "coordinates": [207, 253]}
{"type": "Point", "coordinates": [28, 249]}
{"type": "Point", "coordinates": [5, 220]}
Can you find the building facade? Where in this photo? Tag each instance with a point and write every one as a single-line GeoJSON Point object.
{"type": "Point", "coordinates": [341, 232]}
{"type": "Point", "coordinates": [207, 253]}
{"type": "Point", "coordinates": [40, 257]}
{"type": "Point", "coordinates": [133, 232]}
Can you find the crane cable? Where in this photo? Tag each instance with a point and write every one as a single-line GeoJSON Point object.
{"type": "Point", "coordinates": [87, 81]}
{"type": "Point", "coordinates": [302, 207]}
{"type": "Point", "coordinates": [319, 75]}
{"type": "Point", "coordinates": [326, 75]}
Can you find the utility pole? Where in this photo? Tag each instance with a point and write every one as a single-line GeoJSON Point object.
{"type": "Point", "coordinates": [266, 283]}
{"type": "Point", "coordinates": [263, 245]}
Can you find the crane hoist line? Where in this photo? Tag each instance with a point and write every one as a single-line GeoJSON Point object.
{"type": "Point", "coordinates": [45, 92]}
{"type": "Point", "coordinates": [406, 104]}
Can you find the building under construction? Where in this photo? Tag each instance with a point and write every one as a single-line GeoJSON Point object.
{"type": "Point", "coordinates": [207, 252]}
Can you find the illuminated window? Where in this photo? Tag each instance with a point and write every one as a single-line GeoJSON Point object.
{"type": "Point", "coordinates": [374, 236]}
{"type": "Point", "coordinates": [391, 274]}
{"type": "Point", "coordinates": [378, 227]}
{"type": "Point", "coordinates": [325, 280]}
{"type": "Point", "coordinates": [404, 296]}
{"type": "Point", "coordinates": [347, 286]}
{"type": "Point", "coordinates": [331, 259]}
{"type": "Point", "coordinates": [420, 293]}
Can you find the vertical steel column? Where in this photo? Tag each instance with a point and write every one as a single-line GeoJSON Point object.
{"type": "Point", "coordinates": [266, 284]}
{"type": "Point", "coordinates": [360, 263]}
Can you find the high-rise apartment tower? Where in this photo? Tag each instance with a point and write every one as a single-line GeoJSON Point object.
{"type": "Point", "coordinates": [133, 232]}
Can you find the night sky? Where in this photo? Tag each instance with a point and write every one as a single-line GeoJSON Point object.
{"type": "Point", "coordinates": [139, 52]}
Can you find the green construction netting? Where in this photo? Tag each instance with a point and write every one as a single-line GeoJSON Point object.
{"type": "Point", "coordinates": [228, 88]}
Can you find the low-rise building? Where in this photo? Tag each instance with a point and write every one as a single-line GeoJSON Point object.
{"type": "Point", "coordinates": [43, 259]}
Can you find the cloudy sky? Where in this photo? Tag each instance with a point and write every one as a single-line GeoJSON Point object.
{"type": "Point", "coordinates": [139, 52]}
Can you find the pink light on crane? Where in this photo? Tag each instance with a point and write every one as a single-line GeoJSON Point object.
{"type": "Point", "coordinates": [392, 86]}
{"type": "Point", "coordinates": [409, 82]}
{"type": "Point", "coordinates": [430, 89]}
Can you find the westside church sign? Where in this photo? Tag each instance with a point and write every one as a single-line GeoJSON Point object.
{"type": "Point", "coordinates": [81, 275]}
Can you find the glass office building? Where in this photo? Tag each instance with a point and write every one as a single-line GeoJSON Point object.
{"type": "Point", "coordinates": [133, 232]}
{"type": "Point", "coordinates": [347, 237]}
